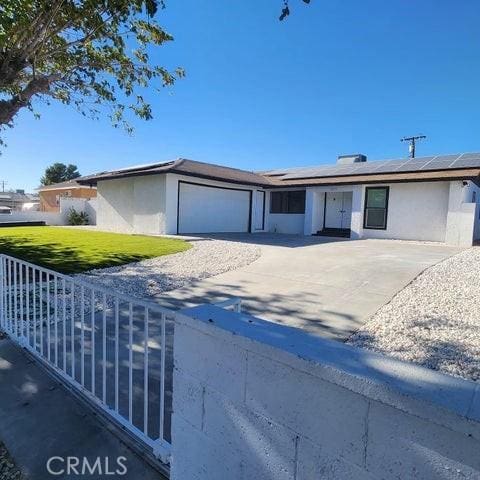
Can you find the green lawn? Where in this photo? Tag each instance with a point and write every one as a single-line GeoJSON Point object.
{"type": "Point", "coordinates": [72, 251]}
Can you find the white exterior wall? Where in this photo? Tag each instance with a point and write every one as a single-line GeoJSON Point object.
{"type": "Point", "coordinates": [50, 218]}
{"type": "Point", "coordinates": [172, 198]}
{"type": "Point", "coordinates": [469, 195]}
{"type": "Point", "coordinates": [132, 205]}
{"type": "Point", "coordinates": [416, 211]}
{"type": "Point", "coordinates": [55, 218]}
{"type": "Point", "coordinates": [292, 223]}
{"type": "Point", "coordinates": [315, 205]}
{"type": "Point", "coordinates": [425, 211]}
{"type": "Point", "coordinates": [286, 222]}
{"type": "Point", "coordinates": [255, 400]}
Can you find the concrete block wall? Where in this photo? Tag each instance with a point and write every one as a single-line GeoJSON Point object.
{"type": "Point", "coordinates": [256, 400]}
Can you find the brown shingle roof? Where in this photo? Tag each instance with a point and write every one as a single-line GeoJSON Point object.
{"type": "Point", "coordinates": [333, 175]}
{"type": "Point", "coordinates": [186, 167]}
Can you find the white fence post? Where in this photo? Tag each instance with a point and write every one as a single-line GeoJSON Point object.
{"type": "Point", "coordinates": [118, 322]}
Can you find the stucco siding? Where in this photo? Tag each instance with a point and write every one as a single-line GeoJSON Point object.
{"type": "Point", "coordinates": [149, 201]}
{"type": "Point", "coordinates": [286, 222]}
{"type": "Point", "coordinates": [416, 211]}
{"type": "Point", "coordinates": [132, 205]}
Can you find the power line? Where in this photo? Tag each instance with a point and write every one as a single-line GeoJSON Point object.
{"type": "Point", "coordinates": [3, 183]}
{"type": "Point", "coordinates": [412, 140]}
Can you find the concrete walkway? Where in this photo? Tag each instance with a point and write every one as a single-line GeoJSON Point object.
{"type": "Point", "coordinates": [40, 419]}
{"type": "Point", "coordinates": [325, 286]}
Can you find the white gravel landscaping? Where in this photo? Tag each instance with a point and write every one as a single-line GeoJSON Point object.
{"type": "Point", "coordinates": [149, 278]}
{"type": "Point", "coordinates": [434, 321]}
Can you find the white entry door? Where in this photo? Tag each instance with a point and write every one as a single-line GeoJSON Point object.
{"type": "Point", "coordinates": [347, 210]}
{"type": "Point", "coordinates": [338, 209]}
{"type": "Point", "coordinates": [259, 210]}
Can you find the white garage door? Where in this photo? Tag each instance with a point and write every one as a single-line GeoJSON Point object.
{"type": "Point", "coordinates": [204, 209]}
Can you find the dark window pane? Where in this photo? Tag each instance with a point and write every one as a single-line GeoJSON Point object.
{"type": "Point", "coordinates": [276, 202]}
{"type": "Point", "coordinates": [375, 217]}
{"type": "Point", "coordinates": [287, 202]}
{"type": "Point", "coordinates": [296, 201]}
{"type": "Point", "coordinates": [376, 198]}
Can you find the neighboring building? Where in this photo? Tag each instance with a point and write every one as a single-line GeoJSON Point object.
{"type": "Point", "coordinates": [50, 194]}
{"type": "Point", "coordinates": [429, 199]}
{"type": "Point", "coordinates": [15, 201]}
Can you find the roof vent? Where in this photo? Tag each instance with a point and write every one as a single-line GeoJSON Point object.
{"type": "Point", "coordinates": [349, 159]}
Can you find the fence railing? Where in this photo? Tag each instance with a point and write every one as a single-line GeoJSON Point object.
{"type": "Point", "coordinates": [114, 349]}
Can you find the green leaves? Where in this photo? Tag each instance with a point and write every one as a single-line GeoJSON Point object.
{"type": "Point", "coordinates": [92, 54]}
{"type": "Point", "coordinates": [59, 172]}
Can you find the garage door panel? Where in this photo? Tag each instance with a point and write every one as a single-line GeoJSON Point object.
{"type": "Point", "coordinates": [203, 209]}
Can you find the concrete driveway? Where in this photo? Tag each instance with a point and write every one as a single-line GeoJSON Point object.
{"type": "Point", "coordinates": [328, 287]}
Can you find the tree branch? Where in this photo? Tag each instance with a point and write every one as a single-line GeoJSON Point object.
{"type": "Point", "coordinates": [9, 108]}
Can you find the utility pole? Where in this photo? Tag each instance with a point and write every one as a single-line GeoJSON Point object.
{"type": "Point", "coordinates": [3, 182]}
{"type": "Point", "coordinates": [412, 140]}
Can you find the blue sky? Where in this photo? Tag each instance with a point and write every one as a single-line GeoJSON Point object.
{"type": "Point", "coordinates": [334, 78]}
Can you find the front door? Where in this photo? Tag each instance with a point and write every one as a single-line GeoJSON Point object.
{"type": "Point", "coordinates": [347, 210]}
{"type": "Point", "coordinates": [338, 210]}
{"type": "Point", "coordinates": [259, 210]}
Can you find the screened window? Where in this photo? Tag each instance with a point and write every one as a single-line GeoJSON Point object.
{"type": "Point", "coordinates": [287, 202]}
{"type": "Point", "coordinates": [376, 208]}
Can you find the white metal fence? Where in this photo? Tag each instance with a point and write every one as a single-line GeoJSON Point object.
{"type": "Point", "coordinates": [114, 349]}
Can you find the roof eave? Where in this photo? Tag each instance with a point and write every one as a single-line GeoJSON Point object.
{"type": "Point", "coordinates": [403, 177]}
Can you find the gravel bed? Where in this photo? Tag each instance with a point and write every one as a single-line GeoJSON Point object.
{"type": "Point", "coordinates": [150, 277]}
{"type": "Point", "coordinates": [8, 469]}
{"type": "Point", "coordinates": [434, 321]}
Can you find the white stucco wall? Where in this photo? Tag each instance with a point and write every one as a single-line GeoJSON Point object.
{"type": "Point", "coordinates": [472, 195]}
{"type": "Point", "coordinates": [315, 208]}
{"type": "Point", "coordinates": [291, 223]}
{"type": "Point", "coordinates": [55, 218]}
{"type": "Point", "coordinates": [132, 205]}
{"type": "Point", "coordinates": [461, 215]}
{"type": "Point", "coordinates": [286, 222]}
{"type": "Point", "coordinates": [50, 218]}
{"type": "Point", "coordinates": [416, 211]}
{"type": "Point", "coordinates": [255, 400]}
{"type": "Point", "coordinates": [425, 211]}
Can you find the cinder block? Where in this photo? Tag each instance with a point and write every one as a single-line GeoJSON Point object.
{"type": "Point", "coordinates": [400, 445]}
{"type": "Point", "coordinates": [212, 361]}
{"type": "Point", "coordinates": [188, 398]}
{"type": "Point", "coordinates": [267, 449]}
{"type": "Point", "coordinates": [313, 463]}
{"type": "Point", "coordinates": [328, 415]}
{"type": "Point", "coordinates": [196, 457]}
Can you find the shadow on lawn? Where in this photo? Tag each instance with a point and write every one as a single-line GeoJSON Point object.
{"type": "Point", "coordinates": [61, 257]}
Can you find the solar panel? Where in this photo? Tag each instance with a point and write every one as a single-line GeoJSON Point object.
{"type": "Point", "coordinates": [412, 166]}
{"type": "Point", "coordinates": [446, 158]}
{"type": "Point", "coordinates": [440, 162]}
{"type": "Point", "coordinates": [473, 162]}
{"type": "Point", "coordinates": [438, 165]}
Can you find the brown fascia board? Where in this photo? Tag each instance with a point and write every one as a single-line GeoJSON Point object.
{"type": "Point", "coordinates": [430, 176]}
{"type": "Point", "coordinates": [269, 182]}
{"type": "Point", "coordinates": [175, 167]}
{"type": "Point", "coordinates": [95, 180]}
